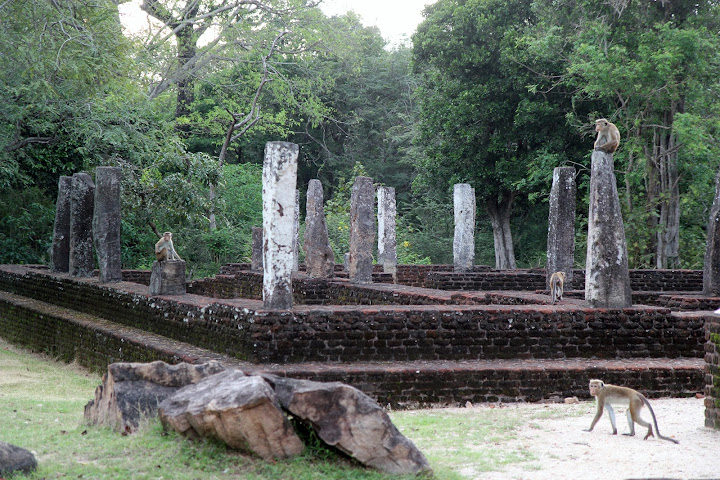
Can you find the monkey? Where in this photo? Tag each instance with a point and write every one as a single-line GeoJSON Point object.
{"type": "Point", "coordinates": [608, 138]}
{"type": "Point", "coordinates": [557, 286]}
{"type": "Point", "coordinates": [164, 248]}
{"type": "Point", "coordinates": [609, 394]}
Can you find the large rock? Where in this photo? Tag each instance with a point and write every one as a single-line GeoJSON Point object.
{"type": "Point", "coordinates": [362, 230]}
{"type": "Point", "coordinates": [15, 459]}
{"type": "Point", "coordinates": [319, 256]}
{"type": "Point", "coordinates": [346, 418]}
{"type": "Point", "coordinates": [168, 278]}
{"type": "Point", "coordinates": [241, 411]}
{"type": "Point", "coordinates": [132, 391]}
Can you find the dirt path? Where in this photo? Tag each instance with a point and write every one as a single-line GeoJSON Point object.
{"type": "Point", "coordinates": [564, 451]}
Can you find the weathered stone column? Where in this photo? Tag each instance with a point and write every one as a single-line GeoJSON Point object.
{"type": "Point", "coordinates": [296, 233]}
{"type": "Point", "coordinates": [168, 278]}
{"type": "Point", "coordinates": [561, 225]}
{"type": "Point", "coordinates": [279, 181]}
{"type": "Point", "coordinates": [60, 261]}
{"type": "Point", "coordinates": [362, 230]}
{"type": "Point", "coordinates": [711, 268]}
{"type": "Point", "coordinates": [319, 256]}
{"type": "Point", "coordinates": [106, 223]}
{"type": "Point", "coordinates": [256, 258]}
{"type": "Point", "coordinates": [607, 278]}
{"type": "Point", "coordinates": [464, 240]}
{"type": "Point", "coordinates": [82, 201]}
{"type": "Point", "coordinates": [387, 243]}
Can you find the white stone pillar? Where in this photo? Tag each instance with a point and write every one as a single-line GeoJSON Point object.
{"type": "Point", "coordinates": [296, 233]}
{"type": "Point", "coordinates": [464, 240]}
{"type": "Point", "coordinates": [387, 243]}
{"type": "Point", "coordinates": [279, 182]}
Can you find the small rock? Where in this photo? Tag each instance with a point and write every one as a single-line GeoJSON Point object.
{"type": "Point", "coordinates": [571, 400]}
{"type": "Point", "coordinates": [15, 459]}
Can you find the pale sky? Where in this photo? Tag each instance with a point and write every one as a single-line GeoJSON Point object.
{"type": "Point", "coordinates": [395, 18]}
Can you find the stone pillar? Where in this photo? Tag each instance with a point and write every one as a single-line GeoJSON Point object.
{"type": "Point", "coordinates": [296, 233]}
{"type": "Point", "coordinates": [387, 244]}
{"type": "Point", "coordinates": [711, 268]}
{"type": "Point", "coordinates": [168, 278]}
{"type": "Point", "coordinates": [561, 225]}
{"type": "Point", "coordinates": [319, 256]}
{"type": "Point", "coordinates": [256, 259]}
{"type": "Point", "coordinates": [279, 181]}
{"type": "Point", "coordinates": [60, 261]}
{"type": "Point", "coordinates": [607, 278]}
{"type": "Point", "coordinates": [362, 230]}
{"type": "Point", "coordinates": [106, 223]}
{"type": "Point", "coordinates": [82, 200]}
{"type": "Point", "coordinates": [464, 241]}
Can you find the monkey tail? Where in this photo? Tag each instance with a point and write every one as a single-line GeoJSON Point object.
{"type": "Point", "coordinates": [657, 430]}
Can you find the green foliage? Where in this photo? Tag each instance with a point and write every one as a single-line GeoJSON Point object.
{"type": "Point", "coordinates": [26, 226]}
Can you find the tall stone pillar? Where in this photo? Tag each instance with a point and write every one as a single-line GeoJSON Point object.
{"type": "Point", "coordinates": [319, 256]}
{"type": "Point", "coordinates": [60, 261]}
{"type": "Point", "coordinates": [387, 243]}
{"type": "Point", "coordinates": [362, 230]}
{"type": "Point", "coordinates": [296, 233]}
{"type": "Point", "coordinates": [711, 268]}
{"type": "Point", "coordinates": [82, 201]}
{"type": "Point", "coordinates": [607, 278]}
{"type": "Point", "coordinates": [256, 258]}
{"type": "Point", "coordinates": [464, 240]}
{"type": "Point", "coordinates": [106, 223]}
{"type": "Point", "coordinates": [279, 182]}
{"type": "Point", "coordinates": [561, 225]}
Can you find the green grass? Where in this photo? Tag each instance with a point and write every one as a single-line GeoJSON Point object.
{"type": "Point", "coordinates": [41, 409]}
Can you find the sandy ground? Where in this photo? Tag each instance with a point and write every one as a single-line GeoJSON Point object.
{"type": "Point", "coordinates": [564, 451]}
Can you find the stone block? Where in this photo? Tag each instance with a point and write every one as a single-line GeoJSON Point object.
{"type": "Point", "coordinates": [168, 278]}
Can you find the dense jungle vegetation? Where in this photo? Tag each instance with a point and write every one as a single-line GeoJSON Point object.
{"type": "Point", "coordinates": [488, 92]}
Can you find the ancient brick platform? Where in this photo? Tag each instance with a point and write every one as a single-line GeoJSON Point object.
{"type": "Point", "coordinates": [419, 347]}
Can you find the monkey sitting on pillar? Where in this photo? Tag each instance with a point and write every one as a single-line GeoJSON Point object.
{"type": "Point", "coordinates": [164, 248]}
{"type": "Point", "coordinates": [608, 138]}
{"type": "Point", "coordinates": [557, 286]}
{"type": "Point", "coordinates": [607, 395]}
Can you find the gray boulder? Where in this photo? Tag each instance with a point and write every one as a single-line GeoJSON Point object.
{"type": "Point", "coordinates": [240, 410]}
{"type": "Point", "coordinates": [132, 391]}
{"type": "Point", "coordinates": [344, 417]}
{"type": "Point", "coordinates": [15, 459]}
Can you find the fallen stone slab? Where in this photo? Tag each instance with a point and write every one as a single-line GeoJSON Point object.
{"type": "Point", "coordinates": [344, 417]}
{"type": "Point", "coordinates": [240, 410]}
{"type": "Point", "coordinates": [131, 392]}
{"type": "Point", "coordinates": [15, 459]}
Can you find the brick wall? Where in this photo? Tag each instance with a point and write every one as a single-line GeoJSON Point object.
{"type": "Point", "coordinates": [242, 329]}
{"type": "Point", "coordinates": [712, 372]}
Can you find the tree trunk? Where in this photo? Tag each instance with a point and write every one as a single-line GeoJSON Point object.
{"type": "Point", "coordinates": [500, 211]}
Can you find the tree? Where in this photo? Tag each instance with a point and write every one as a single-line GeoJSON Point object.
{"type": "Point", "coordinates": [480, 121]}
{"type": "Point", "coordinates": [642, 64]}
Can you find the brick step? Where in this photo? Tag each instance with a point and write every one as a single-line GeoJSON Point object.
{"type": "Point", "coordinates": [95, 343]}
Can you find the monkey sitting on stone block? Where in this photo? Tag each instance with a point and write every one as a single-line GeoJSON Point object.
{"type": "Point", "coordinates": [164, 248]}
{"type": "Point", "coordinates": [607, 395]}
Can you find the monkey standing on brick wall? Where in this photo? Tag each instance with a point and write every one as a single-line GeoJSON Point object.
{"type": "Point", "coordinates": [164, 248]}
{"type": "Point", "coordinates": [557, 286]}
{"type": "Point", "coordinates": [607, 395]}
